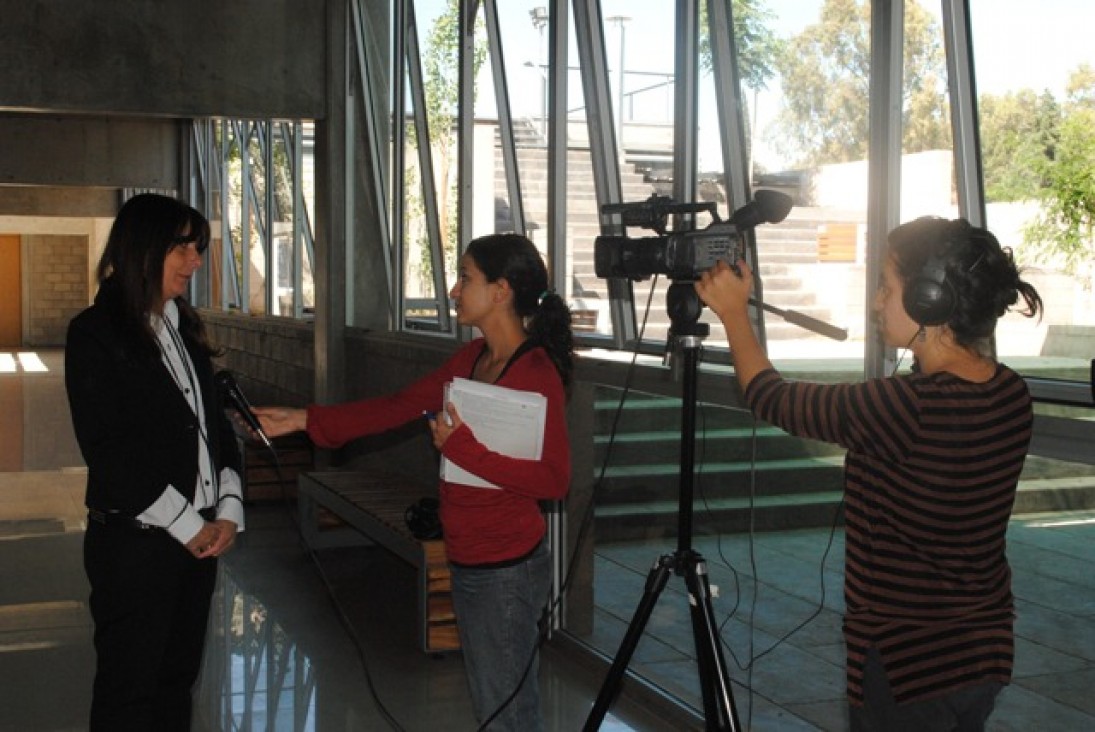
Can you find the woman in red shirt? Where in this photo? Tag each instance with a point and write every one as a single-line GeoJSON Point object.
{"type": "Point", "coordinates": [494, 537]}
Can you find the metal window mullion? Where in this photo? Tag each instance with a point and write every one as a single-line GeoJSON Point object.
{"type": "Point", "coordinates": [200, 286]}
{"type": "Point", "coordinates": [685, 116]}
{"type": "Point", "coordinates": [349, 194]}
{"type": "Point", "coordinates": [731, 116]}
{"type": "Point", "coordinates": [292, 138]}
{"type": "Point", "coordinates": [305, 686]}
{"type": "Point", "coordinates": [299, 219]}
{"type": "Point", "coordinates": [724, 57]}
{"type": "Point", "coordinates": [255, 129]}
{"type": "Point", "coordinates": [589, 34]}
{"type": "Point", "coordinates": [465, 164]}
{"type": "Point", "coordinates": [277, 674]}
{"type": "Point", "coordinates": [268, 240]}
{"type": "Point", "coordinates": [296, 161]}
{"type": "Point", "coordinates": [558, 22]}
{"type": "Point", "coordinates": [230, 286]}
{"type": "Point", "coordinates": [198, 156]}
{"type": "Point", "coordinates": [505, 118]}
{"type": "Point", "coordinates": [558, 19]}
{"type": "Point", "coordinates": [253, 663]}
{"type": "Point", "coordinates": [244, 141]}
{"type": "Point", "coordinates": [961, 82]}
{"type": "Point", "coordinates": [399, 155]}
{"type": "Point", "coordinates": [884, 158]}
{"type": "Point", "coordinates": [371, 139]}
{"type": "Point", "coordinates": [427, 179]}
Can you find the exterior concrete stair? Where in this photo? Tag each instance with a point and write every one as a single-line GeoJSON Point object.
{"type": "Point", "coordinates": [786, 250]}
{"type": "Point", "coordinates": [744, 473]}
{"type": "Point", "coordinates": [747, 474]}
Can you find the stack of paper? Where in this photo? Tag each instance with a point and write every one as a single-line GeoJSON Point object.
{"type": "Point", "coordinates": [507, 421]}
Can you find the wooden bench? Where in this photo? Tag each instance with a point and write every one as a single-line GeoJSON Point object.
{"type": "Point", "coordinates": [341, 508]}
{"type": "Point", "coordinates": [267, 480]}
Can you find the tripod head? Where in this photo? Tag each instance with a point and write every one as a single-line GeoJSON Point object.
{"type": "Point", "coordinates": [684, 307]}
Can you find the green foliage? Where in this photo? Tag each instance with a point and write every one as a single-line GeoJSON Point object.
{"type": "Point", "coordinates": [441, 89]}
{"type": "Point", "coordinates": [757, 46]}
{"type": "Point", "coordinates": [1066, 226]}
{"type": "Point", "coordinates": [825, 78]}
{"type": "Point", "coordinates": [1018, 136]}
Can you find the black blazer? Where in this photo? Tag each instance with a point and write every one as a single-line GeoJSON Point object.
{"type": "Point", "coordinates": [135, 429]}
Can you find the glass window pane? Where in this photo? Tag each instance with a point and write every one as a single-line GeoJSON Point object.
{"type": "Point", "coordinates": [1038, 142]}
{"type": "Point", "coordinates": [1037, 130]}
{"type": "Point", "coordinates": [430, 197]}
{"type": "Point", "coordinates": [805, 78]}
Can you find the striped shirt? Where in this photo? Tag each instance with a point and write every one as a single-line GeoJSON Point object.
{"type": "Point", "coordinates": [930, 476]}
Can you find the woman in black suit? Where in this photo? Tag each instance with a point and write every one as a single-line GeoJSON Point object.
{"type": "Point", "coordinates": [163, 490]}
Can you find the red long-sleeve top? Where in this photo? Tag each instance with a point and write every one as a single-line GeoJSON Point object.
{"type": "Point", "coordinates": [481, 525]}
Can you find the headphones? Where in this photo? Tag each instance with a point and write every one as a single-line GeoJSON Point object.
{"type": "Point", "coordinates": [929, 297]}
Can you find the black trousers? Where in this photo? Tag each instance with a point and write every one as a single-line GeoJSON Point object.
{"type": "Point", "coordinates": [150, 603]}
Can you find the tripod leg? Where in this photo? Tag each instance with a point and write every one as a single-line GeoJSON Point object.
{"type": "Point", "coordinates": [718, 698]}
{"type": "Point", "coordinates": [655, 583]}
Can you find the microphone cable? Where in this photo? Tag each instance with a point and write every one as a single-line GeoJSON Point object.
{"type": "Point", "coordinates": [340, 613]}
{"type": "Point", "coordinates": [752, 655]}
{"type": "Point", "coordinates": [556, 598]}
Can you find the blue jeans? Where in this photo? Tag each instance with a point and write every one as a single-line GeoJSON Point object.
{"type": "Point", "coordinates": [497, 613]}
{"type": "Point", "coordinates": [964, 710]}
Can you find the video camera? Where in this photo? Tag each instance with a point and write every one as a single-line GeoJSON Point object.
{"type": "Point", "coordinates": [680, 255]}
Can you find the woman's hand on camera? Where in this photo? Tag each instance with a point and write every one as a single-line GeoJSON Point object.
{"type": "Point", "coordinates": [725, 290]}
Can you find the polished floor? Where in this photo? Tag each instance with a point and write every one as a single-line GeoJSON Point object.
{"type": "Point", "coordinates": [305, 641]}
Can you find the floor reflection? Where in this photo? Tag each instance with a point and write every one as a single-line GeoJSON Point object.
{"type": "Point", "coordinates": [254, 676]}
{"type": "Point", "coordinates": [290, 648]}
{"type": "Point", "coordinates": [329, 642]}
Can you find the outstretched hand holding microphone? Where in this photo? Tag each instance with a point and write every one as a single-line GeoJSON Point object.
{"type": "Point", "coordinates": [230, 390]}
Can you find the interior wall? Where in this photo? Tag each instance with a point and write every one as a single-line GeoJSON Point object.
{"type": "Point", "coordinates": [11, 291]}
{"type": "Point", "coordinates": [55, 276]}
{"type": "Point", "coordinates": [177, 58]}
{"type": "Point", "coordinates": [106, 153]}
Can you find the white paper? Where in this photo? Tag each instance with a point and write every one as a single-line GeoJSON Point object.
{"type": "Point", "coordinates": [506, 421]}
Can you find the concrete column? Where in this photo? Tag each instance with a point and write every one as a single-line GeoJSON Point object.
{"type": "Point", "coordinates": [331, 219]}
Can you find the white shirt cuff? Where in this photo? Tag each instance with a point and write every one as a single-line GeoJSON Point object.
{"type": "Point", "coordinates": [174, 513]}
{"type": "Point", "coordinates": [230, 507]}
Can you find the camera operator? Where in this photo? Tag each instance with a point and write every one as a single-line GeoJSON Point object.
{"type": "Point", "coordinates": [933, 462]}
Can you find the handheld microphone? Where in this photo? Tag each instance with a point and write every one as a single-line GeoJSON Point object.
{"type": "Point", "coordinates": [228, 387]}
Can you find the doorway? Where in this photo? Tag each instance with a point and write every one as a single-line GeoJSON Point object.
{"type": "Point", "coordinates": [11, 291]}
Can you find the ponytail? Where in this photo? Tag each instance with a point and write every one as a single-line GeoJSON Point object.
{"type": "Point", "coordinates": [550, 328]}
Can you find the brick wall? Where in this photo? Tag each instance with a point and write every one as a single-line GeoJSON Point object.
{"type": "Point", "coordinates": [56, 271]}
{"type": "Point", "coordinates": [271, 357]}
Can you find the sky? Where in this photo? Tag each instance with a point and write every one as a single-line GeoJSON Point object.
{"type": "Point", "coordinates": [1017, 44]}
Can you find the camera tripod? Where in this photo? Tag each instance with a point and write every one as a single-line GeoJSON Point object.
{"type": "Point", "coordinates": [718, 699]}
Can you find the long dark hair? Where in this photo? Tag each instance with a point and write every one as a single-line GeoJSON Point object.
{"type": "Point", "coordinates": [983, 275]}
{"type": "Point", "coordinates": [130, 272]}
{"type": "Point", "coordinates": [515, 259]}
